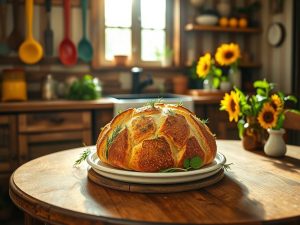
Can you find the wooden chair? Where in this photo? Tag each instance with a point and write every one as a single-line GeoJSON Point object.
{"type": "Point", "coordinates": [292, 121]}
{"type": "Point", "coordinates": [292, 126]}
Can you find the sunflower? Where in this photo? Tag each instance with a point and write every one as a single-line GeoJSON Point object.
{"type": "Point", "coordinates": [227, 54]}
{"type": "Point", "coordinates": [203, 66]}
{"type": "Point", "coordinates": [268, 116]}
{"type": "Point", "coordinates": [276, 103]}
{"type": "Point", "coordinates": [231, 104]}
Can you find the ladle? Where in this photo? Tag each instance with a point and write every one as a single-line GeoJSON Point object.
{"type": "Point", "coordinates": [85, 49]}
{"type": "Point", "coordinates": [30, 51]}
{"type": "Point", "coordinates": [67, 49]}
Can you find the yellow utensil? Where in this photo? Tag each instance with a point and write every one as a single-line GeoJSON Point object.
{"type": "Point", "coordinates": [30, 51]}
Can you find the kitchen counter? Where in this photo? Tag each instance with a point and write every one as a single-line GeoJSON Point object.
{"type": "Point", "coordinates": [103, 103]}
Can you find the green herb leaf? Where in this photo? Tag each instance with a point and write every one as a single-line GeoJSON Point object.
{"type": "Point", "coordinates": [227, 166]}
{"type": "Point", "coordinates": [196, 162]}
{"type": "Point", "coordinates": [175, 169]}
{"type": "Point", "coordinates": [171, 112]}
{"type": "Point", "coordinates": [82, 157]}
{"type": "Point", "coordinates": [153, 102]}
{"type": "Point", "coordinates": [186, 163]}
{"type": "Point", "coordinates": [111, 139]}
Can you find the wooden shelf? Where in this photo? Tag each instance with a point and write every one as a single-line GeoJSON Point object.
{"type": "Point", "coordinates": [15, 60]}
{"type": "Point", "coordinates": [53, 2]}
{"type": "Point", "coordinates": [196, 27]}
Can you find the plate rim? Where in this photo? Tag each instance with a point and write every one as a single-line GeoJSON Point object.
{"type": "Point", "coordinates": [107, 168]}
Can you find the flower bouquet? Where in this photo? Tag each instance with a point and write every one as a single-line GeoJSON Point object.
{"type": "Point", "coordinates": [226, 55]}
{"type": "Point", "coordinates": [256, 113]}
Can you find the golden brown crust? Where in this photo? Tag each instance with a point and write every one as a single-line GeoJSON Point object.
{"type": "Point", "coordinates": [192, 149]}
{"type": "Point", "coordinates": [155, 138]}
{"type": "Point", "coordinates": [176, 128]}
{"type": "Point", "coordinates": [153, 155]}
{"type": "Point", "coordinates": [118, 153]}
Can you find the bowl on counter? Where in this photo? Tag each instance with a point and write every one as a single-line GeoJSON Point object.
{"type": "Point", "coordinates": [207, 19]}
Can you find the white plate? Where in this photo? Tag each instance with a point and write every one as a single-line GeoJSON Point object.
{"type": "Point", "coordinates": [157, 177]}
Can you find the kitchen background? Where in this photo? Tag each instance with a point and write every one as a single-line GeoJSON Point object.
{"type": "Point", "coordinates": [33, 128]}
{"type": "Point", "coordinates": [264, 57]}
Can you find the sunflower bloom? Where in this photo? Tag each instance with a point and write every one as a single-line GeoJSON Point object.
{"type": "Point", "coordinates": [227, 54]}
{"type": "Point", "coordinates": [231, 104]}
{"type": "Point", "coordinates": [276, 103]}
{"type": "Point", "coordinates": [268, 116]}
{"type": "Point", "coordinates": [203, 66]}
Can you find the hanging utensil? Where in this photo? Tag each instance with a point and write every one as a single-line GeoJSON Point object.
{"type": "Point", "coordinates": [16, 36]}
{"type": "Point", "coordinates": [4, 48]}
{"type": "Point", "coordinates": [67, 49]}
{"type": "Point", "coordinates": [48, 32]}
{"type": "Point", "coordinates": [30, 51]}
{"type": "Point", "coordinates": [85, 49]}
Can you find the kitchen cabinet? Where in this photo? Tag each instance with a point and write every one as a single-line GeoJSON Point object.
{"type": "Point", "coordinates": [8, 146]}
{"type": "Point", "coordinates": [41, 133]}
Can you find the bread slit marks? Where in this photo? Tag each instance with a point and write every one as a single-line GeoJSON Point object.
{"type": "Point", "coordinates": [111, 139]}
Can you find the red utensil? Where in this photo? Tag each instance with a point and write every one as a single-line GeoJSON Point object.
{"type": "Point", "coordinates": [67, 49]}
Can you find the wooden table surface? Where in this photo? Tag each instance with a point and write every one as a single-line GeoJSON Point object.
{"type": "Point", "coordinates": [256, 190]}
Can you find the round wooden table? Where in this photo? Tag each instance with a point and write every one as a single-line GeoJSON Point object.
{"type": "Point", "coordinates": [256, 190]}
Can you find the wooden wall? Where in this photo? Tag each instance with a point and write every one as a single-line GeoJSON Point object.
{"type": "Point", "coordinates": [277, 62]}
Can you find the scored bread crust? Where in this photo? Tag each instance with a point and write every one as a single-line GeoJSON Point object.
{"type": "Point", "coordinates": [153, 138]}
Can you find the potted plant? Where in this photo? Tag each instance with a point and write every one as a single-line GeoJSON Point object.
{"type": "Point", "coordinates": [165, 56]}
{"type": "Point", "coordinates": [257, 113]}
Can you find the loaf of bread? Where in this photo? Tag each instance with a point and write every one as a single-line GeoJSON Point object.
{"type": "Point", "coordinates": [155, 137]}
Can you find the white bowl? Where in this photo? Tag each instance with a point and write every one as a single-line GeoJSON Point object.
{"type": "Point", "coordinates": [207, 19]}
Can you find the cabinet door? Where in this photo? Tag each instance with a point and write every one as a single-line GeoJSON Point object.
{"type": "Point", "coordinates": [8, 143]}
{"type": "Point", "coordinates": [39, 144]}
{"type": "Point", "coordinates": [100, 119]}
{"type": "Point", "coordinates": [220, 125]}
{"type": "Point", "coordinates": [48, 132]}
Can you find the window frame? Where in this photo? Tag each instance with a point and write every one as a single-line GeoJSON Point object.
{"type": "Point", "coordinates": [98, 35]}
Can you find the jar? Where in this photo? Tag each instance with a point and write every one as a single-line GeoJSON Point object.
{"type": "Point", "coordinates": [14, 86]}
{"type": "Point", "coordinates": [49, 88]}
{"type": "Point", "coordinates": [253, 135]}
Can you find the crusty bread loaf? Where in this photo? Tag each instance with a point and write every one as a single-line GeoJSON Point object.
{"type": "Point", "coordinates": [155, 137]}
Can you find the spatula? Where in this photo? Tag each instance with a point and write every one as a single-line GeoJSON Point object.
{"type": "Point", "coordinates": [4, 48]}
{"type": "Point", "coordinates": [48, 34]}
{"type": "Point", "coordinates": [16, 37]}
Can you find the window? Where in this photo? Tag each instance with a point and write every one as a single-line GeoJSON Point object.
{"type": "Point", "coordinates": [139, 29]}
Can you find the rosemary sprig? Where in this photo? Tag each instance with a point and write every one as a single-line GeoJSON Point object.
{"type": "Point", "coordinates": [170, 112]}
{"type": "Point", "coordinates": [153, 102]}
{"type": "Point", "coordinates": [82, 157]}
{"type": "Point", "coordinates": [111, 139]}
{"type": "Point", "coordinates": [179, 103]}
{"type": "Point", "coordinates": [227, 166]}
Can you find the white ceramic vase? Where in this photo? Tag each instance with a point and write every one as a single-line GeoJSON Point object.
{"type": "Point", "coordinates": [275, 145]}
